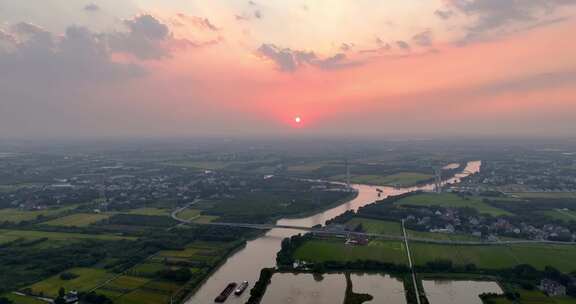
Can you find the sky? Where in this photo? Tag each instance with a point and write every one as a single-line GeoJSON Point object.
{"type": "Point", "coordinates": [154, 68]}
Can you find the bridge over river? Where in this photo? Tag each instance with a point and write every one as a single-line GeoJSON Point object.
{"type": "Point", "coordinates": [327, 230]}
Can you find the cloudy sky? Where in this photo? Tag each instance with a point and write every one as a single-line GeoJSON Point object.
{"type": "Point", "coordinates": [240, 67]}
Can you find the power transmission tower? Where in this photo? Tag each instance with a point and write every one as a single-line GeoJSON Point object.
{"type": "Point", "coordinates": [438, 179]}
{"type": "Point", "coordinates": [347, 174]}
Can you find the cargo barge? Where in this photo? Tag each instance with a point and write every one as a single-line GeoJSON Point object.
{"type": "Point", "coordinates": [225, 293]}
{"type": "Point", "coordinates": [241, 288]}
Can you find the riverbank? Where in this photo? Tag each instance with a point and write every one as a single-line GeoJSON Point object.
{"type": "Point", "coordinates": [261, 252]}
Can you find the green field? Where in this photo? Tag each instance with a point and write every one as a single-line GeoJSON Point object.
{"type": "Point", "coordinates": [395, 228]}
{"type": "Point", "coordinates": [377, 226]}
{"type": "Point", "coordinates": [78, 220]}
{"type": "Point", "coordinates": [147, 269]}
{"type": "Point", "coordinates": [402, 179]}
{"type": "Point", "coordinates": [497, 257]}
{"type": "Point", "coordinates": [486, 257]}
{"type": "Point", "coordinates": [563, 215]}
{"type": "Point", "coordinates": [189, 214]}
{"type": "Point", "coordinates": [17, 216]}
{"type": "Point", "coordinates": [535, 297]}
{"type": "Point", "coordinates": [552, 195]}
{"type": "Point", "coordinates": [307, 167]}
{"type": "Point", "coordinates": [142, 285]}
{"type": "Point", "coordinates": [204, 219]}
{"type": "Point", "coordinates": [87, 279]}
{"type": "Point", "coordinates": [441, 236]}
{"type": "Point", "coordinates": [450, 200]}
{"type": "Point", "coordinates": [127, 282]}
{"type": "Point", "coordinates": [56, 236]}
{"type": "Point", "coordinates": [17, 299]}
{"type": "Point", "coordinates": [143, 296]}
{"type": "Point", "coordinates": [319, 250]}
{"type": "Point", "coordinates": [150, 211]}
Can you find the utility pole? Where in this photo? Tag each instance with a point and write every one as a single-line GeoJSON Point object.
{"type": "Point", "coordinates": [347, 173]}
{"type": "Point", "coordinates": [438, 179]}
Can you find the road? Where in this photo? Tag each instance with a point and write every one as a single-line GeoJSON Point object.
{"type": "Point", "coordinates": [410, 264]}
{"type": "Point", "coordinates": [325, 231]}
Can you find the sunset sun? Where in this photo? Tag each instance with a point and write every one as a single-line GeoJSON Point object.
{"type": "Point", "coordinates": [297, 119]}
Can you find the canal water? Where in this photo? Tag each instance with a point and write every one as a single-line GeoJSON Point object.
{"type": "Point", "coordinates": [245, 265]}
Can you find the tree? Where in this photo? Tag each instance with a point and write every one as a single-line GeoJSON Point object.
{"type": "Point", "coordinates": [5, 301]}
{"type": "Point", "coordinates": [59, 300]}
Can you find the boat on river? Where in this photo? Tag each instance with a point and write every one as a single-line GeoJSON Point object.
{"type": "Point", "coordinates": [221, 298]}
{"type": "Point", "coordinates": [241, 288]}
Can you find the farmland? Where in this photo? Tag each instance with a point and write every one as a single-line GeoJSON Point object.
{"type": "Point", "coordinates": [394, 229]}
{"type": "Point", "coordinates": [498, 257]}
{"type": "Point", "coordinates": [450, 200]}
{"type": "Point", "coordinates": [376, 226]}
{"type": "Point", "coordinates": [336, 250]}
{"type": "Point", "coordinates": [19, 299]}
{"type": "Point", "coordinates": [534, 297]}
{"type": "Point", "coordinates": [57, 236]}
{"type": "Point", "coordinates": [561, 214]}
{"type": "Point", "coordinates": [86, 279]}
{"type": "Point", "coordinates": [147, 282]}
{"type": "Point", "coordinates": [18, 216]}
{"type": "Point", "coordinates": [550, 195]}
{"type": "Point", "coordinates": [78, 220]}
{"type": "Point", "coordinates": [150, 211]}
{"type": "Point", "coordinates": [402, 179]}
{"type": "Point", "coordinates": [189, 214]}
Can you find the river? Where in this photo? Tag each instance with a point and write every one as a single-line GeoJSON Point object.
{"type": "Point", "coordinates": [245, 264]}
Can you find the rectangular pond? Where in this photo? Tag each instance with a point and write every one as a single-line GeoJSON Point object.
{"type": "Point", "coordinates": [331, 288]}
{"type": "Point", "coordinates": [458, 292]}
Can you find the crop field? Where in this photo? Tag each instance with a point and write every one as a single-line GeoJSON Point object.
{"type": "Point", "coordinates": [147, 269]}
{"type": "Point", "coordinates": [450, 200]}
{"type": "Point", "coordinates": [143, 285]}
{"type": "Point", "coordinates": [377, 226]}
{"type": "Point", "coordinates": [78, 220]}
{"type": "Point", "coordinates": [497, 257]}
{"type": "Point", "coordinates": [18, 299]}
{"type": "Point", "coordinates": [441, 236]}
{"type": "Point", "coordinates": [402, 179]}
{"type": "Point", "coordinates": [87, 279]}
{"type": "Point", "coordinates": [551, 195]}
{"type": "Point", "coordinates": [336, 250]}
{"type": "Point", "coordinates": [307, 167]}
{"type": "Point", "coordinates": [143, 296]}
{"type": "Point", "coordinates": [204, 219]}
{"type": "Point", "coordinates": [395, 228]}
{"type": "Point", "coordinates": [536, 297]}
{"type": "Point", "coordinates": [561, 214]}
{"type": "Point", "coordinates": [17, 216]}
{"type": "Point", "coordinates": [150, 211]}
{"type": "Point", "coordinates": [559, 256]}
{"type": "Point", "coordinates": [57, 236]}
{"type": "Point", "coordinates": [130, 289]}
{"type": "Point", "coordinates": [189, 214]}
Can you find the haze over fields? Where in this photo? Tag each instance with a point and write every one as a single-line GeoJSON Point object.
{"type": "Point", "coordinates": [184, 68]}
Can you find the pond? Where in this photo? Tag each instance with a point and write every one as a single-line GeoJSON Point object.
{"type": "Point", "coordinates": [458, 292]}
{"type": "Point", "coordinates": [331, 288]}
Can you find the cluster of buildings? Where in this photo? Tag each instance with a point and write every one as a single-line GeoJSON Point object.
{"type": "Point", "coordinates": [538, 173]}
{"type": "Point", "coordinates": [451, 220]}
